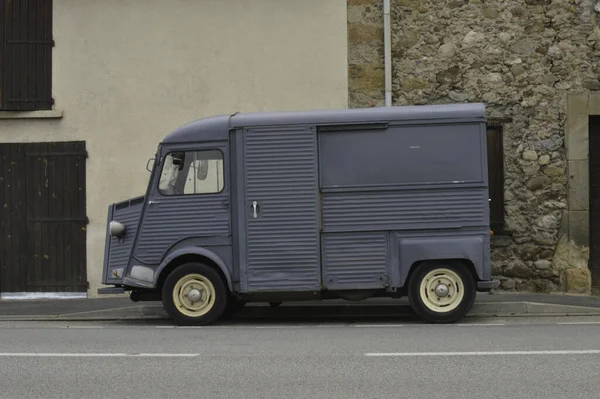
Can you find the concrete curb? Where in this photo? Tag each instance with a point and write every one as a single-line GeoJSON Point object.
{"type": "Point", "coordinates": [483, 309]}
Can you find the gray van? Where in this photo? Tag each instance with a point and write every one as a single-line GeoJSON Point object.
{"type": "Point", "coordinates": [312, 205]}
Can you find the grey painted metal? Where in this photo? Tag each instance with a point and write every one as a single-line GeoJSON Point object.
{"type": "Point", "coordinates": [335, 199]}
{"type": "Point", "coordinates": [451, 207]}
{"type": "Point", "coordinates": [282, 220]}
{"type": "Point", "coordinates": [173, 219]}
{"type": "Point", "coordinates": [238, 210]}
{"type": "Point", "coordinates": [107, 249]}
{"type": "Point", "coordinates": [128, 213]}
{"type": "Point", "coordinates": [423, 153]}
{"type": "Point", "coordinates": [454, 245]}
{"type": "Point", "coordinates": [355, 260]}
{"type": "Point", "coordinates": [209, 252]}
{"type": "Point", "coordinates": [170, 219]}
{"type": "Point", "coordinates": [218, 127]}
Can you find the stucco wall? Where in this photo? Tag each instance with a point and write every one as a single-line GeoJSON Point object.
{"type": "Point", "coordinates": [126, 72]}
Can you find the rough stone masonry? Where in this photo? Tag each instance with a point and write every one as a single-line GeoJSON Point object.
{"type": "Point", "coordinates": [521, 58]}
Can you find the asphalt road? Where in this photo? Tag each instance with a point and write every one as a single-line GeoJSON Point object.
{"type": "Point", "coordinates": [522, 358]}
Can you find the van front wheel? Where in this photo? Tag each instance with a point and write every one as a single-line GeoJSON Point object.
{"type": "Point", "coordinates": [441, 293]}
{"type": "Point", "coordinates": [194, 294]}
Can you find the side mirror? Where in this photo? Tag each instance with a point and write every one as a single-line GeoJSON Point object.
{"type": "Point", "coordinates": [148, 167]}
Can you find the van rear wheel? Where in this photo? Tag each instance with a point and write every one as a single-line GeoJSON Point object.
{"type": "Point", "coordinates": [441, 292]}
{"type": "Point", "coordinates": [194, 294]}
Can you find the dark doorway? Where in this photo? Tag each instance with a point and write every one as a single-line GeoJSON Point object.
{"type": "Point", "coordinates": [594, 162]}
{"type": "Point", "coordinates": [43, 199]}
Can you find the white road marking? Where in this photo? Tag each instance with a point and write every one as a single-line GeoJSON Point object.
{"type": "Point", "coordinates": [578, 322]}
{"type": "Point", "coordinates": [377, 325]}
{"type": "Point", "coordinates": [82, 327]}
{"type": "Point", "coordinates": [280, 327]}
{"type": "Point", "coordinates": [24, 354]}
{"type": "Point", "coordinates": [480, 324]}
{"type": "Point", "coordinates": [491, 353]}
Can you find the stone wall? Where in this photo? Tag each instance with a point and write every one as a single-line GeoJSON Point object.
{"type": "Point", "coordinates": [521, 58]}
{"type": "Point", "coordinates": [365, 53]}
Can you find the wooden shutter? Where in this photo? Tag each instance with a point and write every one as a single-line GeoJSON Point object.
{"type": "Point", "coordinates": [496, 177]}
{"type": "Point", "coordinates": [26, 55]}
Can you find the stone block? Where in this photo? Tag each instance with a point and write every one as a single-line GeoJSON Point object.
{"type": "Point", "coordinates": [544, 286]}
{"type": "Point", "coordinates": [577, 104]}
{"type": "Point", "coordinates": [579, 186]}
{"type": "Point", "coordinates": [365, 53]}
{"type": "Point", "coordinates": [365, 76]}
{"type": "Point", "coordinates": [530, 155]}
{"type": "Point", "coordinates": [543, 264]}
{"type": "Point", "coordinates": [414, 84]}
{"type": "Point", "coordinates": [538, 183]}
{"type": "Point", "coordinates": [578, 280]}
{"type": "Point", "coordinates": [362, 33]}
{"type": "Point", "coordinates": [593, 105]}
{"type": "Point", "coordinates": [591, 85]}
{"type": "Point", "coordinates": [554, 171]}
{"type": "Point", "coordinates": [577, 132]}
{"type": "Point", "coordinates": [410, 4]}
{"type": "Point", "coordinates": [569, 255]}
{"type": "Point", "coordinates": [579, 227]}
{"type": "Point", "coordinates": [518, 269]}
{"type": "Point", "coordinates": [365, 13]}
{"type": "Point", "coordinates": [563, 229]}
{"type": "Point", "coordinates": [508, 284]}
{"type": "Point", "coordinates": [362, 2]}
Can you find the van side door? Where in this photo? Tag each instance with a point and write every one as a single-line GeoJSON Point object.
{"type": "Point", "coordinates": [280, 249]}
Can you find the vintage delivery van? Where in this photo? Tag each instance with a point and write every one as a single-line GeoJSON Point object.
{"type": "Point", "coordinates": [290, 206]}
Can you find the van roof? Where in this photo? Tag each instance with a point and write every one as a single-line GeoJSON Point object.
{"type": "Point", "coordinates": [217, 127]}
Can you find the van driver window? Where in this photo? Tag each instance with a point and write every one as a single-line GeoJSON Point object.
{"type": "Point", "coordinates": [192, 172]}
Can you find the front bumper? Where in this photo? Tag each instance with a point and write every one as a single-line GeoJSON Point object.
{"type": "Point", "coordinates": [488, 285]}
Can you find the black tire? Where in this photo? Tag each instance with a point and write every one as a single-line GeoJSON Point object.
{"type": "Point", "coordinates": [419, 304]}
{"type": "Point", "coordinates": [214, 308]}
{"type": "Point", "coordinates": [233, 307]}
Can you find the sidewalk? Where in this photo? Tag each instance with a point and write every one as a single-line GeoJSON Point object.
{"type": "Point", "coordinates": [498, 304]}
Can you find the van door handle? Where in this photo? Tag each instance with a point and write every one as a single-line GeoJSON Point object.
{"type": "Point", "coordinates": [153, 202]}
{"type": "Point", "coordinates": [254, 206]}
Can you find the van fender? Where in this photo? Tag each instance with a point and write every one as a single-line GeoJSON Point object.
{"type": "Point", "coordinates": [195, 251]}
{"type": "Point", "coordinates": [471, 248]}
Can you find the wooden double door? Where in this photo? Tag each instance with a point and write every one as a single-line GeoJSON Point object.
{"type": "Point", "coordinates": [43, 217]}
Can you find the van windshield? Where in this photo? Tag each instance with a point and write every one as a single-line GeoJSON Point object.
{"type": "Point", "coordinates": [192, 172]}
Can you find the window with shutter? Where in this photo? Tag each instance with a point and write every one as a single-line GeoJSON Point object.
{"type": "Point", "coordinates": [26, 55]}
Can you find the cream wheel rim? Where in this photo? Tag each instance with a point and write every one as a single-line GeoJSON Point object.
{"type": "Point", "coordinates": [441, 290]}
{"type": "Point", "coordinates": [194, 295]}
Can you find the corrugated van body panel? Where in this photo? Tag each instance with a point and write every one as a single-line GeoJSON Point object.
{"type": "Point", "coordinates": [119, 252]}
{"type": "Point", "coordinates": [282, 242]}
{"type": "Point", "coordinates": [405, 209]}
{"type": "Point", "coordinates": [355, 260]}
{"type": "Point", "coordinates": [181, 217]}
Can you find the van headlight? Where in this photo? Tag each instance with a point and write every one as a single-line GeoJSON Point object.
{"type": "Point", "coordinates": [116, 229]}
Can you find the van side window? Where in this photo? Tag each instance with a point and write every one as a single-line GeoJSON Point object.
{"type": "Point", "coordinates": [192, 172]}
